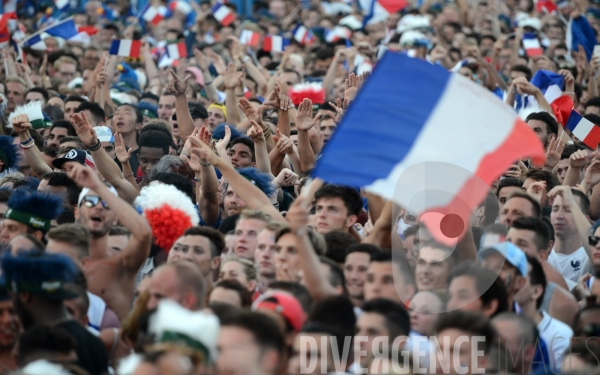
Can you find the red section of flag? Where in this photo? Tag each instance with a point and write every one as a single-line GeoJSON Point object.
{"type": "Point", "coordinates": [182, 49]}
{"type": "Point", "coordinates": [562, 109]}
{"type": "Point", "coordinates": [546, 6]}
{"type": "Point", "coordinates": [393, 6]}
{"type": "Point", "coordinates": [136, 47]}
{"type": "Point", "coordinates": [267, 43]}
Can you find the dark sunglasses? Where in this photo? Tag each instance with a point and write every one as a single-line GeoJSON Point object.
{"type": "Point", "coordinates": [92, 200]}
{"type": "Point", "coordinates": [593, 240]}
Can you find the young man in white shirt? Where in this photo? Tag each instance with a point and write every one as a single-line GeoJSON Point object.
{"type": "Point", "coordinates": [556, 334]}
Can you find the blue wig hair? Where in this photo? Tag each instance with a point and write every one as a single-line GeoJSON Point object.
{"type": "Point", "coordinates": [37, 267]}
{"type": "Point", "coordinates": [8, 152]}
{"type": "Point", "coordinates": [219, 132]}
{"type": "Point", "coordinates": [46, 206]}
{"type": "Point", "coordinates": [258, 179]}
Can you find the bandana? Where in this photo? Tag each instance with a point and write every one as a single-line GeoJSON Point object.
{"type": "Point", "coordinates": [221, 107]}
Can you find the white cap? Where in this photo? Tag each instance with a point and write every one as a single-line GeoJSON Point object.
{"type": "Point", "coordinates": [531, 22]}
{"type": "Point", "coordinates": [86, 191]}
{"type": "Point", "coordinates": [411, 22]}
{"type": "Point", "coordinates": [409, 37]}
{"type": "Point", "coordinates": [104, 134]}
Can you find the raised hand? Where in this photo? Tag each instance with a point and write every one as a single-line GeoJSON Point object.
{"type": "Point", "coordinates": [555, 149]}
{"type": "Point", "coordinates": [304, 119]}
{"type": "Point", "coordinates": [232, 77]}
{"type": "Point", "coordinates": [204, 151]}
{"type": "Point", "coordinates": [176, 86]}
{"type": "Point", "coordinates": [249, 111]}
{"type": "Point", "coordinates": [579, 159]}
{"type": "Point", "coordinates": [565, 193]}
{"type": "Point", "coordinates": [21, 124]}
{"type": "Point", "coordinates": [286, 178]}
{"type": "Point", "coordinates": [221, 144]}
{"type": "Point", "coordinates": [204, 135]}
{"type": "Point", "coordinates": [297, 215]}
{"type": "Point", "coordinates": [202, 60]}
{"type": "Point", "coordinates": [44, 66]}
{"type": "Point", "coordinates": [284, 145]}
{"type": "Point", "coordinates": [569, 79]}
{"type": "Point", "coordinates": [255, 132]}
{"type": "Point", "coordinates": [351, 85]}
{"type": "Point", "coordinates": [592, 174]}
{"type": "Point", "coordinates": [537, 190]}
{"type": "Point", "coordinates": [84, 129]}
{"type": "Point", "coordinates": [120, 150]}
{"type": "Point", "coordinates": [84, 176]}
{"type": "Point", "coordinates": [514, 171]}
{"type": "Point", "coordinates": [193, 160]}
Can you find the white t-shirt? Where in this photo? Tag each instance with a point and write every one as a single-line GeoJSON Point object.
{"type": "Point", "coordinates": [96, 310]}
{"type": "Point", "coordinates": [571, 266]}
{"type": "Point", "coordinates": [557, 336]}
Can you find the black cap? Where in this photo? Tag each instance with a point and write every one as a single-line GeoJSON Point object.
{"type": "Point", "coordinates": [79, 156]}
{"type": "Point", "coordinates": [196, 110]}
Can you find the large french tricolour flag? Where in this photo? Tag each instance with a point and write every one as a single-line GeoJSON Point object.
{"type": "Point", "coordinates": [411, 114]}
{"type": "Point", "coordinates": [582, 128]}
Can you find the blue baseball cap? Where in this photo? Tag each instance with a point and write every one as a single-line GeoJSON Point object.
{"type": "Point", "coordinates": [515, 256]}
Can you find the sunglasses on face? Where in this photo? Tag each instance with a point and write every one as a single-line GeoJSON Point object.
{"type": "Point", "coordinates": [92, 200]}
{"type": "Point", "coordinates": [593, 240]}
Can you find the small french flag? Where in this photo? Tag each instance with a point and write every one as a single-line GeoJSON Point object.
{"type": "Point", "coordinates": [61, 4]}
{"type": "Point", "coordinates": [338, 32]}
{"type": "Point", "coordinates": [275, 43]}
{"type": "Point", "coordinates": [532, 45]}
{"type": "Point", "coordinates": [126, 48]}
{"type": "Point", "coordinates": [249, 38]}
{"type": "Point", "coordinates": [545, 6]}
{"type": "Point", "coordinates": [584, 129]}
{"type": "Point", "coordinates": [223, 14]}
{"type": "Point", "coordinates": [180, 6]}
{"type": "Point", "coordinates": [154, 14]}
{"type": "Point", "coordinates": [177, 51]}
{"type": "Point", "coordinates": [303, 35]}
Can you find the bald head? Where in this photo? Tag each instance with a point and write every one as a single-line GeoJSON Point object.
{"type": "Point", "coordinates": [181, 282]}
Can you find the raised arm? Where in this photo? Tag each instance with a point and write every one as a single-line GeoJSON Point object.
{"type": "Point", "coordinates": [304, 122]}
{"type": "Point", "coordinates": [204, 64]}
{"type": "Point", "coordinates": [138, 248]}
{"type": "Point", "coordinates": [106, 166]}
{"type": "Point", "coordinates": [253, 197]}
{"type": "Point", "coordinates": [231, 79]}
{"type": "Point", "coordinates": [178, 88]}
{"type": "Point", "coordinates": [21, 125]}
{"type": "Point", "coordinates": [208, 194]}
{"type": "Point", "coordinates": [316, 281]}
{"type": "Point", "coordinates": [263, 163]}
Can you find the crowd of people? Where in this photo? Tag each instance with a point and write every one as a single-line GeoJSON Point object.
{"type": "Point", "coordinates": [158, 214]}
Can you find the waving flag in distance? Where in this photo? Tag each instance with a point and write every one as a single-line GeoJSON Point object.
{"type": "Point", "coordinates": [303, 35]}
{"type": "Point", "coordinates": [177, 51]}
{"type": "Point", "coordinates": [9, 6]}
{"type": "Point", "coordinates": [545, 6]}
{"type": "Point", "coordinates": [275, 43]}
{"type": "Point", "coordinates": [249, 38]}
{"type": "Point", "coordinates": [532, 45]}
{"type": "Point", "coordinates": [375, 11]}
{"type": "Point", "coordinates": [107, 13]}
{"type": "Point", "coordinates": [126, 48]}
{"type": "Point", "coordinates": [222, 13]}
{"type": "Point", "coordinates": [413, 109]}
{"type": "Point", "coordinates": [338, 32]}
{"type": "Point", "coordinates": [584, 129]}
{"type": "Point", "coordinates": [549, 83]}
{"type": "Point", "coordinates": [180, 6]}
{"type": "Point", "coordinates": [21, 58]}
{"type": "Point", "coordinates": [64, 29]}
{"type": "Point", "coordinates": [580, 33]}
{"type": "Point", "coordinates": [5, 18]}
{"type": "Point", "coordinates": [84, 34]}
{"type": "Point", "coordinates": [153, 14]}
{"type": "Point", "coordinates": [61, 4]}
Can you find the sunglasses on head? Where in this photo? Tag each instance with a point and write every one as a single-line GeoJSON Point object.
{"type": "Point", "coordinates": [593, 240]}
{"type": "Point", "coordinates": [92, 200]}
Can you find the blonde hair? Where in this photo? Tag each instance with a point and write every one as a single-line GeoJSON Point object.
{"type": "Point", "coordinates": [64, 59]}
{"type": "Point", "coordinates": [249, 268]}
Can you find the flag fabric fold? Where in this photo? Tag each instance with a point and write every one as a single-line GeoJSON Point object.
{"type": "Point", "coordinates": [532, 45]}
{"type": "Point", "coordinates": [249, 38]}
{"type": "Point", "coordinates": [580, 33]}
{"type": "Point", "coordinates": [177, 51]}
{"type": "Point", "coordinates": [275, 43]}
{"type": "Point", "coordinates": [410, 113]}
{"type": "Point", "coordinates": [550, 84]}
{"type": "Point", "coordinates": [153, 14]}
{"type": "Point", "coordinates": [222, 13]}
{"type": "Point", "coordinates": [379, 10]}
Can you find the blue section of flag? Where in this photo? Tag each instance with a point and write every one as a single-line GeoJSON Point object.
{"type": "Point", "coordinates": [542, 80]}
{"type": "Point", "coordinates": [574, 120]}
{"type": "Point", "coordinates": [65, 29]}
{"type": "Point", "coordinates": [375, 122]}
{"type": "Point", "coordinates": [32, 40]}
{"type": "Point", "coordinates": [582, 34]}
{"type": "Point", "coordinates": [370, 14]}
{"type": "Point", "coordinates": [114, 47]}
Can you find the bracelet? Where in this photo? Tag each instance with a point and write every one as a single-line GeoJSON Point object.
{"type": "Point", "coordinates": [27, 141]}
{"type": "Point", "coordinates": [25, 147]}
{"type": "Point", "coordinates": [128, 175]}
{"type": "Point", "coordinates": [240, 96]}
{"type": "Point", "coordinates": [96, 147]}
{"type": "Point", "coordinates": [208, 83]}
{"type": "Point", "coordinates": [205, 165]}
{"type": "Point", "coordinates": [268, 133]}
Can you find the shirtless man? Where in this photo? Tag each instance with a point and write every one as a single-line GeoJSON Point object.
{"type": "Point", "coordinates": [112, 277]}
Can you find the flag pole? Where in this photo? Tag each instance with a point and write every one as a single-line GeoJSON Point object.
{"type": "Point", "coordinates": [560, 137]}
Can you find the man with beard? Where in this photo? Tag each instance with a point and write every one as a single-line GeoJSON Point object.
{"type": "Point", "coordinates": [37, 284]}
{"type": "Point", "coordinates": [110, 276]}
{"type": "Point", "coordinates": [544, 125]}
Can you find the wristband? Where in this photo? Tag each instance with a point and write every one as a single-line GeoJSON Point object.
{"type": "Point", "coordinates": [128, 175]}
{"type": "Point", "coordinates": [96, 147]}
{"type": "Point", "coordinates": [27, 141]}
{"type": "Point", "coordinates": [205, 165]}
{"type": "Point", "coordinates": [207, 83]}
{"type": "Point", "coordinates": [25, 147]}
